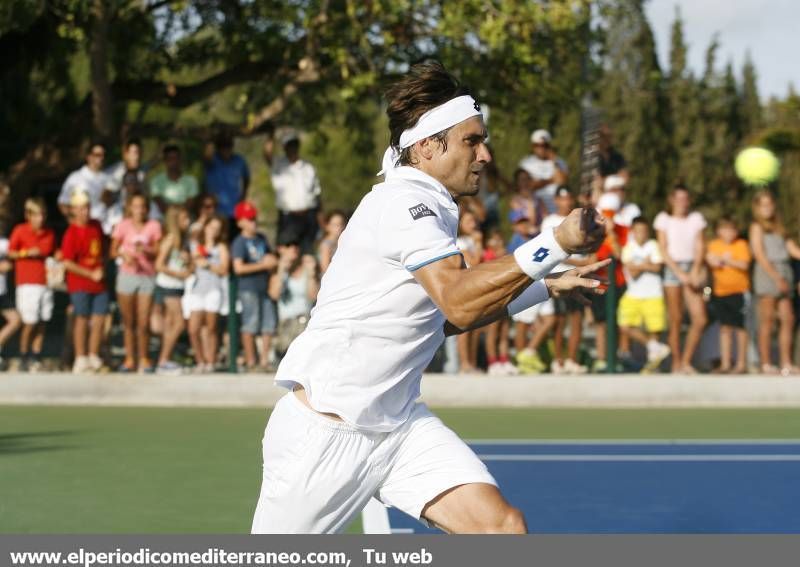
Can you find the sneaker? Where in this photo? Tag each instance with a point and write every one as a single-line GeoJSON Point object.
{"type": "Point", "coordinates": [510, 369]}
{"type": "Point", "coordinates": [599, 366]}
{"type": "Point", "coordinates": [656, 354]}
{"type": "Point", "coordinates": [34, 366]}
{"type": "Point", "coordinates": [81, 365]}
{"type": "Point", "coordinates": [572, 367]}
{"type": "Point", "coordinates": [529, 362]}
{"type": "Point", "coordinates": [556, 367]}
{"type": "Point", "coordinates": [24, 363]}
{"type": "Point", "coordinates": [496, 369]}
{"type": "Point", "coordinates": [95, 363]}
{"type": "Point", "coordinates": [145, 366]}
{"type": "Point", "coordinates": [169, 368]}
{"type": "Point", "coordinates": [3, 364]}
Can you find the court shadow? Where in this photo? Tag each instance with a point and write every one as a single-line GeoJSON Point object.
{"type": "Point", "coordinates": [34, 442]}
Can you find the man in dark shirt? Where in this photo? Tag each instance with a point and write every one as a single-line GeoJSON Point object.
{"type": "Point", "coordinates": [611, 161]}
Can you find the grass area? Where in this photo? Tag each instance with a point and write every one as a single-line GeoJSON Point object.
{"type": "Point", "coordinates": [178, 470]}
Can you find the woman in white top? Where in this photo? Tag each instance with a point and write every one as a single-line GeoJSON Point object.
{"type": "Point", "coordinates": [680, 237]}
{"type": "Point", "coordinates": [174, 266]}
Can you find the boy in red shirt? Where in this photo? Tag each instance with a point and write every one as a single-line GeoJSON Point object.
{"type": "Point", "coordinates": [83, 253]}
{"type": "Point", "coordinates": [30, 244]}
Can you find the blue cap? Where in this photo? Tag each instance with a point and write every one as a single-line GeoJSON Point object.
{"type": "Point", "coordinates": [517, 215]}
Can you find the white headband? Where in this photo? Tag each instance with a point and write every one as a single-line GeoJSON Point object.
{"type": "Point", "coordinates": [442, 117]}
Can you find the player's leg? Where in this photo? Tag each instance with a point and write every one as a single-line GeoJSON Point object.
{"type": "Point", "coordinates": [317, 474]}
{"type": "Point", "coordinates": [432, 475]}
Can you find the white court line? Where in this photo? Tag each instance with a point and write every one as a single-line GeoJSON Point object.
{"type": "Point", "coordinates": [641, 458]}
{"type": "Point", "coordinates": [633, 441]}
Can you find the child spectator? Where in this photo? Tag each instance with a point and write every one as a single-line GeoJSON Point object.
{"type": "Point", "coordinates": [211, 259]}
{"type": "Point", "coordinates": [470, 243]}
{"type": "Point", "coordinates": [772, 282]}
{"type": "Point", "coordinates": [729, 258]}
{"type": "Point", "coordinates": [10, 315]}
{"type": "Point", "coordinates": [554, 313]}
{"type": "Point", "coordinates": [252, 262]}
{"type": "Point", "coordinates": [497, 333]}
{"type": "Point", "coordinates": [174, 266]}
{"type": "Point", "coordinates": [135, 242]}
{"type": "Point", "coordinates": [30, 244]}
{"type": "Point", "coordinates": [334, 226]}
{"type": "Point", "coordinates": [294, 285]}
{"type": "Point", "coordinates": [617, 235]}
{"type": "Point", "coordinates": [524, 320]}
{"type": "Point", "coordinates": [83, 257]}
{"type": "Point", "coordinates": [642, 304]}
{"type": "Point", "coordinates": [680, 236]}
{"type": "Point", "coordinates": [526, 202]}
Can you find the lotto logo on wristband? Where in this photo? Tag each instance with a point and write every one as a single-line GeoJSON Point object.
{"type": "Point", "coordinates": [541, 254]}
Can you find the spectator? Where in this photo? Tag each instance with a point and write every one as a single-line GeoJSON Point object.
{"type": "Point", "coordinates": [30, 245]}
{"type": "Point", "coordinates": [297, 192]}
{"type": "Point", "coordinates": [642, 304]}
{"type": "Point", "coordinates": [205, 210]}
{"type": "Point", "coordinates": [135, 242]}
{"type": "Point", "coordinates": [204, 300]}
{"type": "Point", "coordinates": [729, 258]}
{"type": "Point", "coordinates": [491, 186]}
{"type": "Point", "coordinates": [554, 313]}
{"type": "Point", "coordinates": [227, 174]}
{"type": "Point", "coordinates": [680, 236]}
{"type": "Point", "coordinates": [470, 243]}
{"type": "Point", "coordinates": [628, 211]}
{"type": "Point", "coordinates": [252, 262]}
{"type": "Point", "coordinates": [334, 226]}
{"type": "Point", "coordinates": [524, 320]}
{"type": "Point", "coordinates": [525, 201]}
{"type": "Point", "coordinates": [547, 170]}
{"type": "Point", "coordinates": [173, 186]}
{"type": "Point", "coordinates": [90, 180]}
{"type": "Point", "coordinates": [174, 266]}
{"type": "Point", "coordinates": [772, 282]}
{"type": "Point", "coordinates": [616, 238]}
{"type": "Point", "coordinates": [497, 333]}
{"type": "Point", "coordinates": [10, 316]}
{"type": "Point", "coordinates": [294, 285]}
{"type": "Point", "coordinates": [611, 162]}
{"type": "Point", "coordinates": [123, 179]}
{"type": "Point", "coordinates": [83, 256]}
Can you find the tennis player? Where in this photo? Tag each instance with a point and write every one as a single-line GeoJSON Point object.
{"type": "Point", "coordinates": [350, 428]}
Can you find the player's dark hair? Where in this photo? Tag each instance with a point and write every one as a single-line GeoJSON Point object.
{"type": "Point", "coordinates": [425, 86]}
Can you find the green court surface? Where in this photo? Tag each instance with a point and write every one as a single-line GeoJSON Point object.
{"type": "Point", "coordinates": [177, 470]}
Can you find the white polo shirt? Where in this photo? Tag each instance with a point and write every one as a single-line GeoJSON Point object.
{"type": "Point", "coordinates": [93, 182]}
{"type": "Point", "coordinates": [296, 185]}
{"type": "Point", "coordinates": [374, 329]}
{"type": "Point", "coordinates": [648, 285]}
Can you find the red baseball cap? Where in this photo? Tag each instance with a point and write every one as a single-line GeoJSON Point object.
{"type": "Point", "coordinates": [245, 210]}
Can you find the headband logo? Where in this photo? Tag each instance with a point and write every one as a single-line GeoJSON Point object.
{"type": "Point", "coordinates": [477, 107]}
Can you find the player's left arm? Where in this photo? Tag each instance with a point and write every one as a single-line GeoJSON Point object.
{"type": "Point", "coordinates": [481, 294]}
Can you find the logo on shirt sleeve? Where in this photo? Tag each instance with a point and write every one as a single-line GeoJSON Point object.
{"type": "Point", "coordinates": [421, 210]}
{"type": "Point", "coordinates": [541, 254]}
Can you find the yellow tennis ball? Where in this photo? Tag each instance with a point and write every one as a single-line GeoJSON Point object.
{"type": "Point", "coordinates": [756, 166]}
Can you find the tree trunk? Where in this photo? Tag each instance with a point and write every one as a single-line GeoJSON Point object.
{"type": "Point", "coordinates": [102, 103]}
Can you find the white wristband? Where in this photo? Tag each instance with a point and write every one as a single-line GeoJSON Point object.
{"type": "Point", "coordinates": [540, 255]}
{"type": "Point", "coordinates": [534, 294]}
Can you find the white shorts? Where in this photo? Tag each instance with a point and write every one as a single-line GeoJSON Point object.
{"type": "Point", "coordinates": [528, 316]}
{"type": "Point", "coordinates": [547, 308]}
{"type": "Point", "coordinates": [320, 473]}
{"type": "Point", "coordinates": [34, 303]}
{"type": "Point", "coordinates": [211, 302]}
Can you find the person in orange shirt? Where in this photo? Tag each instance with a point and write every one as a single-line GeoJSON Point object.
{"type": "Point", "coordinates": [729, 258]}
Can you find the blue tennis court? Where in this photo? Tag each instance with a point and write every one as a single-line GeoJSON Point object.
{"type": "Point", "coordinates": [645, 487]}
